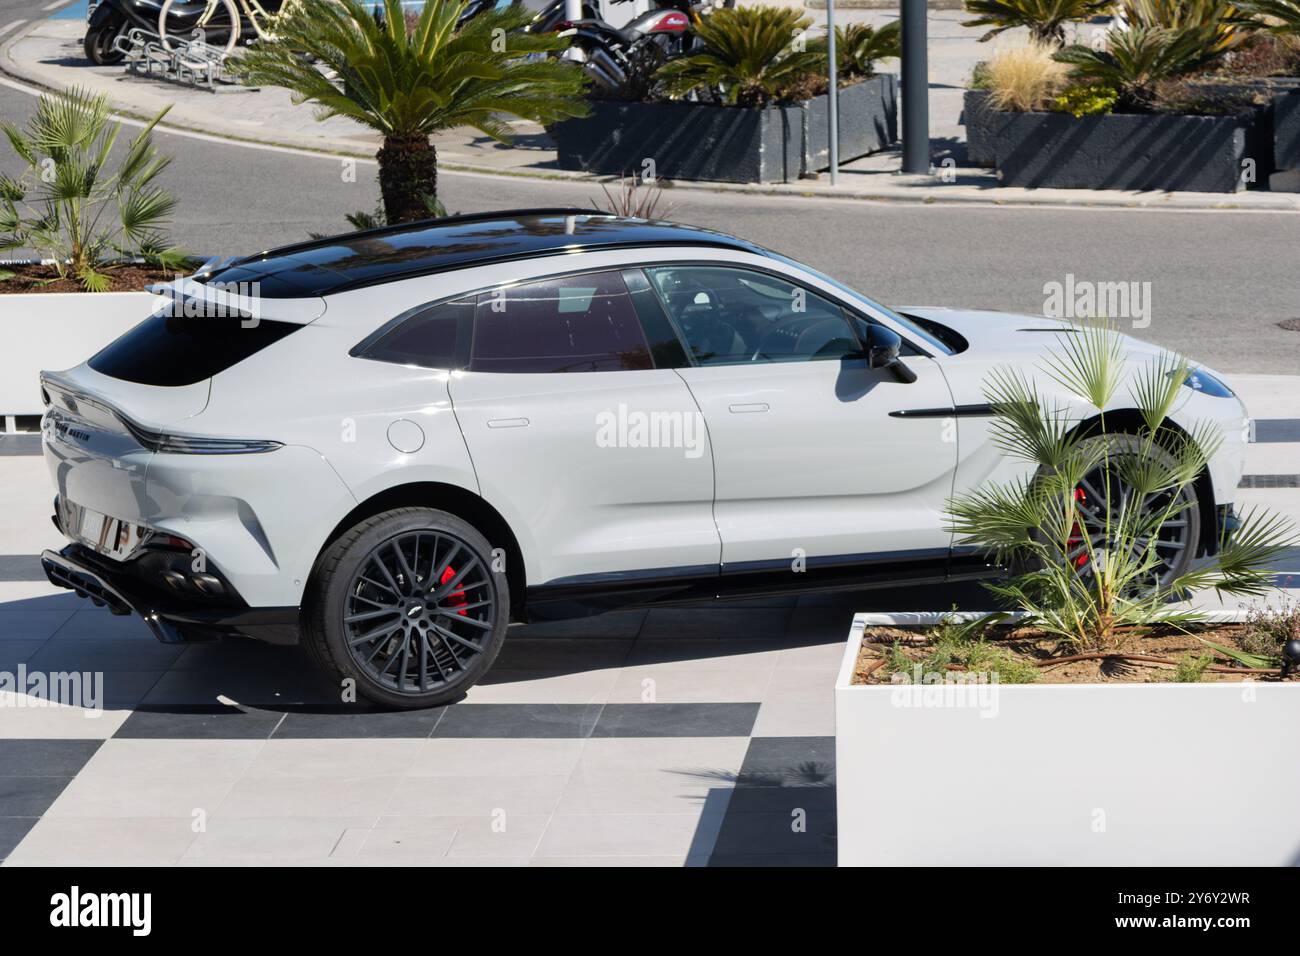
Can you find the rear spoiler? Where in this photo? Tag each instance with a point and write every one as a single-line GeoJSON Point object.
{"type": "Point", "coordinates": [243, 299]}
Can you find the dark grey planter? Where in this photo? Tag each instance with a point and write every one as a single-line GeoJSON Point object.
{"type": "Point", "coordinates": [1286, 130]}
{"type": "Point", "coordinates": [1123, 151]}
{"type": "Point", "coordinates": [982, 123]}
{"type": "Point", "coordinates": [728, 144]}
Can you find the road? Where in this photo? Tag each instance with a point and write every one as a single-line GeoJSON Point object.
{"type": "Point", "coordinates": [1220, 281]}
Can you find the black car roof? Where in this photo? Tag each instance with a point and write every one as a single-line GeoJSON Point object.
{"type": "Point", "coordinates": [374, 256]}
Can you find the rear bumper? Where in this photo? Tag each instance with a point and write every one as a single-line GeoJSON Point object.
{"type": "Point", "coordinates": [172, 621]}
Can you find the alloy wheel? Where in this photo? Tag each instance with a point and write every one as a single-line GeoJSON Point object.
{"type": "Point", "coordinates": [1097, 499]}
{"type": "Point", "coordinates": [419, 611]}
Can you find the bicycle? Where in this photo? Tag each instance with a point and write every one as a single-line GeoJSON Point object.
{"type": "Point", "coordinates": [222, 18]}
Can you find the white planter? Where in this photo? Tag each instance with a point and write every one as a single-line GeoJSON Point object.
{"type": "Point", "coordinates": [54, 331]}
{"type": "Point", "coordinates": [1079, 775]}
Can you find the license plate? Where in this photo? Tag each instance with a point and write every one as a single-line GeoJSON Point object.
{"type": "Point", "coordinates": [103, 533]}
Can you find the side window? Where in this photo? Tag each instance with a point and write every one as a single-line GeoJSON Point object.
{"type": "Point", "coordinates": [585, 323]}
{"type": "Point", "coordinates": [732, 315]}
{"type": "Point", "coordinates": [437, 337]}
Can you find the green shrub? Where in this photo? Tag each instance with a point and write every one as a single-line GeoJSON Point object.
{"type": "Point", "coordinates": [859, 45]}
{"type": "Point", "coordinates": [1044, 19]}
{"type": "Point", "coordinates": [1136, 61]}
{"type": "Point", "coordinates": [751, 58]}
{"type": "Point", "coordinates": [1191, 668]}
{"type": "Point", "coordinates": [1090, 99]}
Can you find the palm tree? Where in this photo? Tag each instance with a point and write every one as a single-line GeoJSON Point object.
{"type": "Point", "coordinates": [407, 82]}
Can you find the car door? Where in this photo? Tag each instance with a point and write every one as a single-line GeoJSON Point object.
{"type": "Point", "coordinates": [812, 463]}
{"type": "Point", "coordinates": [582, 433]}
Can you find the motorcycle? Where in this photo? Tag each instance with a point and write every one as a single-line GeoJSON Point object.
{"type": "Point", "coordinates": [621, 61]}
{"type": "Point", "coordinates": [109, 19]}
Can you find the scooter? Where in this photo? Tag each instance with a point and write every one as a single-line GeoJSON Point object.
{"type": "Point", "coordinates": [110, 19]}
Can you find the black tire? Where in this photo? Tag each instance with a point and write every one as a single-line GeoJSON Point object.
{"type": "Point", "coordinates": [1181, 537]}
{"type": "Point", "coordinates": [432, 648]}
{"type": "Point", "coordinates": [98, 44]}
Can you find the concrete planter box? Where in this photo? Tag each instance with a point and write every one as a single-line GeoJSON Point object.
{"type": "Point", "coordinates": [726, 144]}
{"type": "Point", "coordinates": [1286, 130]}
{"type": "Point", "coordinates": [982, 123]}
{"type": "Point", "coordinates": [54, 331]}
{"type": "Point", "coordinates": [1123, 151]}
{"type": "Point", "coordinates": [1075, 775]}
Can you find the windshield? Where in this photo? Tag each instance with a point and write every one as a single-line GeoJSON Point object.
{"type": "Point", "coordinates": [905, 323]}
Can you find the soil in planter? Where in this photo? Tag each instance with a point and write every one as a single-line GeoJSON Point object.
{"type": "Point", "coordinates": [1027, 646]}
{"type": "Point", "coordinates": [38, 278]}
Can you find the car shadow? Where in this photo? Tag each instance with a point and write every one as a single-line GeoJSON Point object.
{"type": "Point", "coordinates": [61, 634]}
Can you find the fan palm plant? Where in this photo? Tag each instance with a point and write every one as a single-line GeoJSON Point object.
{"type": "Point", "coordinates": [407, 82]}
{"type": "Point", "coordinates": [1137, 60]}
{"type": "Point", "coordinates": [1088, 531]}
{"type": "Point", "coordinates": [1044, 19]}
{"type": "Point", "coordinates": [751, 56]}
{"type": "Point", "coordinates": [70, 205]}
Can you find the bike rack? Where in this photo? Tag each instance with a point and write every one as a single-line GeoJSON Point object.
{"type": "Point", "coordinates": [194, 63]}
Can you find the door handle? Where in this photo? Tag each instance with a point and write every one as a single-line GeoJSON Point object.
{"type": "Point", "coordinates": [751, 407]}
{"type": "Point", "coordinates": [507, 422]}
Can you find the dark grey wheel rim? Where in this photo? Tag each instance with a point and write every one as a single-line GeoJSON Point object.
{"type": "Point", "coordinates": [420, 611]}
{"type": "Point", "coordinates": [1095, 497]}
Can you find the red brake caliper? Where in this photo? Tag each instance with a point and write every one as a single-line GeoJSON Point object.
{"type": "Point", "coordinates": [1076, 533]}
{"type": "Point", "coordinates": [455, 598]}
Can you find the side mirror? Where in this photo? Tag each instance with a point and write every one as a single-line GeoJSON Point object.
{"type": "Point", "coordinates": [883, 346]}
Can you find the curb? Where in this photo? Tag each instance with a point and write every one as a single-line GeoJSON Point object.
{"type": "Point", "coordinates": [923, 195]}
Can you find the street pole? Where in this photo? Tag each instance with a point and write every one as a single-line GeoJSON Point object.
{"type": "Point", "coordinates": [834, 92]}
{"type": "Point", "coordinates": [916, 88]}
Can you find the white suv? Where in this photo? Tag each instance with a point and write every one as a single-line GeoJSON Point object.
{"type": "Point", "coordinates": [404, 439]}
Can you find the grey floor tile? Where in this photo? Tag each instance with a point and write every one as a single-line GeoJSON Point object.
{"type": "Point", "coordinates": [251, 686]}
{"type": "Point", "coordinates": [111, 654]}
{"type": "Point", "coordinates": [518, 720]}
{"type": "Point", "coordinates": [560, 654]}
{"type": "Point", "coordinates": [13, 653]}
{"type": "Point", "coordinates": [773, 859]}
{"type": "Point", "coordinates": [12, 831]}
{"type": "Point", "coordinates": [802, 831]}
{"type": "Point", "coordinates": [45, 758]}
{"type": "Point", "coordinates": [723, 652]}
{"type": "Point", "coordinates": [713, 622]}
{"type": "Point", "coordinates": [20, 444]}
{"type": "Point", "coordinates": [789, 761]}
{"type": "Point", "coordinates": [676, 720]}
{"type": "Point", "coordinates": [1277, 430]}
{"type": "Point", "coordinates": [613, 624]}
{"type": "Point", "coordinates": [32, 625]}
{"type": "Point", "coordinates": [91, 623]}
{"type": "Point", "coordinates": [211, 723]}
{"type": "Point", "coordinates": [403, 723]}
{"type": "Point", "coordinates": [29, 796]}
{"type": "Point", "coordinates": [21, 567]}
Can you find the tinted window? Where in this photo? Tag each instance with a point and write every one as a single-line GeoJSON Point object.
{"type": "Point", "coordinates": [581, 323]}
{"type": "Point", "coordinates": [433, 338]}
{"type": "Point", "coordinates": [172, 350]}
{"type": "Point", "coordinates": [728, 315]}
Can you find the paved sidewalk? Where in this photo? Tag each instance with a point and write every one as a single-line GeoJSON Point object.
{"type": "Point", "coordinates": [47, 53]}
{"type": "Point", "coordinates": [665, 737]}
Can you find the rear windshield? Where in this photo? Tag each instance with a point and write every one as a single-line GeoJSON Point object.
{"type": "Point", "coordinates": [173, 350]}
